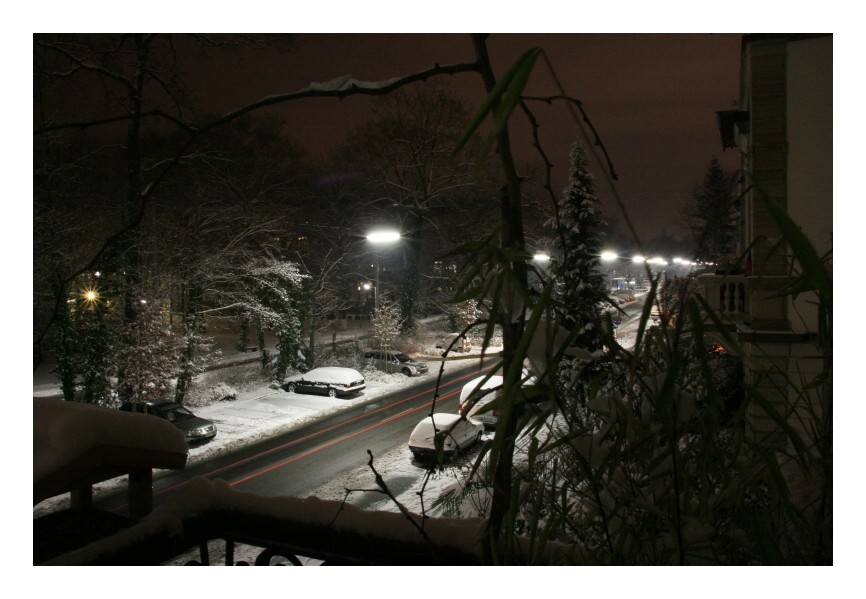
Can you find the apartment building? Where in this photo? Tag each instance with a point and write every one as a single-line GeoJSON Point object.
{"type": "Point", "coordinates": [782, 129]}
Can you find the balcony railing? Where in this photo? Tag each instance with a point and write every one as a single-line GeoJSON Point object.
{"type": "Point", "coordinates": [329, 531]}
{"type": "Point", "coordinates": [728, 294]}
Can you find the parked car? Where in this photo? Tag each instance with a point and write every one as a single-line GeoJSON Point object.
{"type": "Point", "coordinates": [462, 345]}
{"type": "Point", "coordinates": [393, 362]}
{"type": "Point", "coordinates": [459, 435]}
{"type": "Point", "coordinates": [330, 380]}
{"type": "Point", "coordinates": [196, 429]}
{"type": "Point", "coordinates": [487, 391]}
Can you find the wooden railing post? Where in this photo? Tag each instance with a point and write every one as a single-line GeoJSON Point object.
{"type": "Point", "coordinates": [140, 493]}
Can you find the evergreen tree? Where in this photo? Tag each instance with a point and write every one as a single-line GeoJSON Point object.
{"type": "Point", "coordinates": [712, 213]}
{"type": "Point", "coordinates": [150, 360]}
{"type": "Point", "coordinates": [96, 338]}
{"type": "Point", "coordinates": [577, 226]}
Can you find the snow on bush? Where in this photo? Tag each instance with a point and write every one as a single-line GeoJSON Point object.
{"type": "Point", "coordinates": [214, 394]}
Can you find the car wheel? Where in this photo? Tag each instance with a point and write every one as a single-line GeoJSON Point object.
{"type": "Point", "coordinates": [290, 387]}
{"type": "Point", "coordinates": [332, 392]}
{"type": "Point", "coordinates": [407, 372]}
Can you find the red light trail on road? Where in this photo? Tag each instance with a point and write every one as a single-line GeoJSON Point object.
{"type": "Point", "coordinates": [322, 431]}
{"type": "Point", "coordinates": [341, 439]}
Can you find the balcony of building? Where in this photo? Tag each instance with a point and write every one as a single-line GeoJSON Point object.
{"type": "Point", "coordinates": [728, 295]}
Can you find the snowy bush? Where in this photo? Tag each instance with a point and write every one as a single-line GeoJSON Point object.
{"type": "Point", "coordinates": [386, 326]}
{"type": "Point", "coordinates": [213, 394]}
{"type": "Point", "coordinates": [221, 392]}
{"type": "Point", "coordinates": [462, 314]}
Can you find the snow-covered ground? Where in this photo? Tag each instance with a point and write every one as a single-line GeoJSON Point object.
{"type": "Point", "coordinates": [263, 410]}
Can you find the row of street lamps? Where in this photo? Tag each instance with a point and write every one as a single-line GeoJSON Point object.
{"type": "Point", "coordinates": [611, 256]}
{"type": "Point", "coordinates": [384, 237]}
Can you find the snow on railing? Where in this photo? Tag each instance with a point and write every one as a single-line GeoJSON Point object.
{"type": "Point", "coordinates": [326, 530]}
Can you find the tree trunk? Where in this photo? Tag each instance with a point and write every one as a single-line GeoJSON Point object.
{"type": "Point", "coordinates": [190, 331]}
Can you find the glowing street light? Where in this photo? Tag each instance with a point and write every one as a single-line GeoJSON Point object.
{"type": "Point", "coordinates": [638, 259]}
{"type": "Point", "coordinates": [541, 257]}
{"type": "Point", "coordinates": [608, 256]}
{"type": "Point", "coordinates": [383, 237]}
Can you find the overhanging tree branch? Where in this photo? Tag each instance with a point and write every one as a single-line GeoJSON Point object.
{"type": "Point", "coordinates": [336, 88]}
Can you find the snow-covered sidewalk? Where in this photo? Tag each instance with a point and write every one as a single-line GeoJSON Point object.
{"type": "Point", "coordinates": [263, 412]}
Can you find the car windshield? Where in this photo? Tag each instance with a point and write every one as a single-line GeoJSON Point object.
{"type": "Point", "coordinates": [403, 357]}
{"type": "Point", "coordinates": [178, 413]}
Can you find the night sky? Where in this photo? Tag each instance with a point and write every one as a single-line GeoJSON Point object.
{"type": "Point", "coordinates": [651, 97]}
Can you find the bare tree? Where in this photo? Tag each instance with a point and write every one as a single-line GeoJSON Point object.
{"type": "Point", "coordinates": [408, 155]}
{"type": "Point", "coordinates": [509, 311]}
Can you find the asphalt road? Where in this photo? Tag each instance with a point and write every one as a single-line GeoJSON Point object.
{"type": "Point", "coordinates": [302, 460]}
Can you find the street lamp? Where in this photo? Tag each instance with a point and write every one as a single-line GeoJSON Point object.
{"type": "Point", "coordinates": [381, 237]}
{"type": "Point", "coordinates": [610, 256]}
{"type": "Point", "coordinates": [541, 258]}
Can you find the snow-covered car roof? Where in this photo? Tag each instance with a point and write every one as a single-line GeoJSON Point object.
{"type": "Point", "coordinates": [490, 383]}
{"type": "Point", "coordinates": [442, 419]}
{"type": "Point", "coordinates": [329, 374]}
{"type": "Point", "coordinates": [459, 429]}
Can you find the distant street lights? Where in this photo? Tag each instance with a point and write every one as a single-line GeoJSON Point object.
{"type": "Point", "coordinates": [380, 238]}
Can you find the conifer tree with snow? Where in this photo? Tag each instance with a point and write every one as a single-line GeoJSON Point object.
{"type": "Point", "coordinates": [711, 214]}
{"type": "Point", "coordinates": [149, 358]}
{"type": "Point", "coordinates": [577, 226]}
{"type": "Point", "coordinates": [96, 344]}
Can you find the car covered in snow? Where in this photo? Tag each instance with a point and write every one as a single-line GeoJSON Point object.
{"type": "Point", "coordinates": [333, 381]}
{"type": "Point", "coordinates": [196, 429]}
{"type": "Point", "coordinates": [479, 392]}
{"type": "Point", "coordinates": [394, 362]}
{"type": "Point", "coordinates": [486, 389]}
{"type": "Point", "coordinates": [458, 434]}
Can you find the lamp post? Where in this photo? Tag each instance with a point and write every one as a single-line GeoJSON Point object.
{"type": "Point", "coordinates": [381, 237]}
{"type": "Point", "coordinates": [375, 292]}
{"type": "Point", "coordinates": [610, 256]}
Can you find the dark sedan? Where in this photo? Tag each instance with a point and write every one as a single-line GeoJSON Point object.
{"type": "Point", "coordinates": [196, 429]}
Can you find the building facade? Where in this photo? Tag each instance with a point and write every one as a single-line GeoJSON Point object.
{"type": "Point", "coordinates": [783, 131]}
